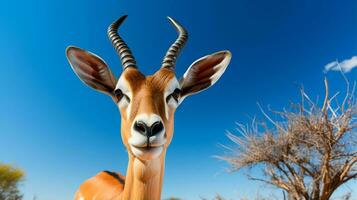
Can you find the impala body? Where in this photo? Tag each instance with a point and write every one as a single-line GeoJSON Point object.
{"type": "Point", "coordinates": [147, 105]}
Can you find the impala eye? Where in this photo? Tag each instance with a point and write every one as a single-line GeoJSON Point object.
{"type": "Point", "coordinates": [120, 95]}
{"type": "Point", "coordinates": [175, 95]}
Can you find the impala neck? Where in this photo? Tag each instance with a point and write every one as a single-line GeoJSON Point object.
{"type": "Point", "coordinates": [144, 179]}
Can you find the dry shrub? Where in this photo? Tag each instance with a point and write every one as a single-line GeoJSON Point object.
{"type": "Point", "coordinates": [309, 152]}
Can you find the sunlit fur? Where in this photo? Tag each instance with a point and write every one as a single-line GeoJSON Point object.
{"type": "Point", "coordinates": [146, 101]}
{"type": "Point", "coordinates": [148, 96]}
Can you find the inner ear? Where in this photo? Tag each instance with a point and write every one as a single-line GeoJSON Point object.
{"type": "Point", "coordinates": [204, 72]}
{"type": "Point", "coordinates": [91, 70]}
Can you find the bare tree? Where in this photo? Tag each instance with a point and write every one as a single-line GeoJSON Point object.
{"type": "Point", "coordinates": [309, 151]}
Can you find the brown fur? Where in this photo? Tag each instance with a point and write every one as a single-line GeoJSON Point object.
{"type": "Point", "coordinates": [144, 178]}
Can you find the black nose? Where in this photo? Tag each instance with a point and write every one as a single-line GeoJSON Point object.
{"type": "Point", "coordinates": [148, 131]}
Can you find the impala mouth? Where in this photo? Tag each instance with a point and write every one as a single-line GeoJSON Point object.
{"type": "Point", "coordinates": [148, 146]}
{"type": "Point", "coordinates": [151, 143]}
{"type": "Point", "coordinates": [147, 149]}
{"type": "Point", "coordinates": [141, 142]}
{"type": "Point", "coordinates": [147, 152]}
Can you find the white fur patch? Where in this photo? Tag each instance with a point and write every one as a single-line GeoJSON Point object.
{"type": "Point", "coordinates": [221, 67]}
{"type": "Point", "coordinates": [149, 154]}
{"type": "Point", "coordinates": [125, 88]}
{"type": "Point", "coordinates": [172, 85]}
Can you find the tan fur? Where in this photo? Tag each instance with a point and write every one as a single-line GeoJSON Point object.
{"type": "Point", "coordinates": [90, 189]}
{"type": "Point", "coordinates": [143, 179]}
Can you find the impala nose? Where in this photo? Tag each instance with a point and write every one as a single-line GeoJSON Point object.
{"type": "Point", "coordinates": [148, 131]}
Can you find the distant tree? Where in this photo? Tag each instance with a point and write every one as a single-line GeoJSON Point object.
{"type": "Point", "coordinates": [257, 197]}
{"type": "Point", "coordinates": [10, 178]}
{"type": "Point", "coordinates": [217, 197]}
{"type": "Point", "coordinates": [308, 151]}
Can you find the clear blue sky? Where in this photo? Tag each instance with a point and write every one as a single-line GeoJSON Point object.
{"type": "Point", "coordinates": [62, 132]}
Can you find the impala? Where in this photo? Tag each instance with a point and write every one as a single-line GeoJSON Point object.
{"type": "Point", "coordinates": [147, 105]}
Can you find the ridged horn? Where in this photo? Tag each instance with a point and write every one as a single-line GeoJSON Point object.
{"type": "Point", "coordinates": [125, 55]}
{"type": "Point", "coordinates": [173, 52]}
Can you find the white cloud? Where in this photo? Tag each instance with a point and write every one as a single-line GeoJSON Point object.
{"type": "Point", "coordinates": [344, 66]}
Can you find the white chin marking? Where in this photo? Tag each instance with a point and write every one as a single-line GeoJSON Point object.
{"type": "Point", "coordinates": [139, 140]}
{"type": "Point", "coordinates": [146, 153]}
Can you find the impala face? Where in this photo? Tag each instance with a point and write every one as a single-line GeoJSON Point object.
{"type": "Point", "coordinates": [147, 103]}
{"type": "Point", "coordinates": [147, 106]}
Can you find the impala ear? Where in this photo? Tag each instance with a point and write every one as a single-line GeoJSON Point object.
{"type": "Point", "coordinates": [204, 72]}
{"type": "Point", "coordinates": [91, 70]}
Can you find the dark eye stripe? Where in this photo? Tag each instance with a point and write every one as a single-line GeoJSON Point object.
{"type": "Point", "coordinates": [175, 95]}
{"type": "Point", "coordinates": [127, 98]}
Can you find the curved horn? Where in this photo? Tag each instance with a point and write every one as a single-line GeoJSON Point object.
{"type": "Point", "coordinates": [173, 52]}
{"type": "Point", "coordinates": [126, 57]}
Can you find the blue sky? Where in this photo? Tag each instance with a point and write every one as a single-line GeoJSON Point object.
{"type": "Point", "coordinates": [62, 132]}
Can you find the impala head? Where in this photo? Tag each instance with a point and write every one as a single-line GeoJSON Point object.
{"type": "Point", "coordinates": [147, 103]}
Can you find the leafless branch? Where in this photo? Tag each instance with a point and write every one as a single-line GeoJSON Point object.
{"type": "Point", "coordinates": [309, 153]}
